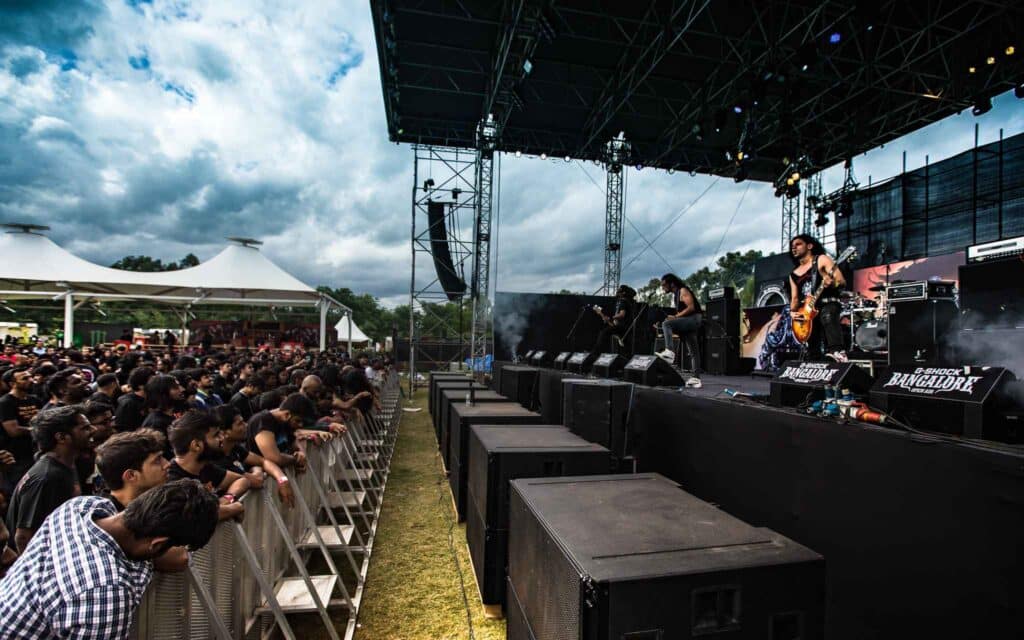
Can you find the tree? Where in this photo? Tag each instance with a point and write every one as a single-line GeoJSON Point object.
{"type": "Point", "coordinates": [734, 269]}
{"type": "Point", "coordinates": [148, 264]}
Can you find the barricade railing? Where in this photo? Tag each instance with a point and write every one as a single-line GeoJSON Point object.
{"type": "Point", "coordinates": [243, 584]}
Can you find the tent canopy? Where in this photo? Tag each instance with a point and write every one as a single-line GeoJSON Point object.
{"type": "Point", "coordinates": [357, 333]}
{"type": "Point", "coordinates": [34, 266]}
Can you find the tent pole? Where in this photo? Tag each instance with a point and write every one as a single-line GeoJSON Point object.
{"type": "Point", "coordinates": [323, 324]}
{"type": "Point", "coordinates": [349, 315]}
{"type": "Point", "coordinates": [69, 320]}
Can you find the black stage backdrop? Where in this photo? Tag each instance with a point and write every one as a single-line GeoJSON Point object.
{"type": "Point", "coordinates": [921, 539]}
{"type": "Point", "coordinates": [529, 321]}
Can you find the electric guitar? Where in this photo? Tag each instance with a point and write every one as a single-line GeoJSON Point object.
{"type": "Point", "coordinates": [802, 326]}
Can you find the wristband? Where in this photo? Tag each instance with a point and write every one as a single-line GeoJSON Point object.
{"type": "Point", "coordinates": [230, 497]}
{"type": "Point", "coordinates": [282, 480]}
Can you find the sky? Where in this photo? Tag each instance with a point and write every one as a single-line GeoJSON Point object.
{"type": "Point", "coordinates": [159, 128]}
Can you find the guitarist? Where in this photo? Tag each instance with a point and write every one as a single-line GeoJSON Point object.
{"type": "Point", "coordinates": [813, 266]}
{"type": "Point", "coordinates": [616, 325]}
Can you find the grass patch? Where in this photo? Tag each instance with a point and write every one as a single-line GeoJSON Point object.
{"type": "Point", "coordinates": [413, 590]}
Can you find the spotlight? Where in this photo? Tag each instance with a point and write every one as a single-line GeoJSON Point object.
{"type": "Point", "coordinates": [971, 69]}
{"type": "Point", "coordinates": [728, 154]}
{"type": "Point", "coordinates": [1010, 50]}
{"type": "Point", "coordinates": [737, 108]}
{"type": "Point", "coordinates": [456, 192]}
{"type": "Point", "coordinates": [805, 56]}
{"type": "Point", "coordinates": [720, 117]}
{"type": "Point", "coordinates": [821, 220]}
{"type": "Point", "coordinates": [793, 191]}
{"type": "Point", "coordinates": [428, 184]}
{"type": "Point", "coordinates": [982, 106]}
{"type": "Point", "coordinates": [835, 37]}
{"type": "Point", "coordinates": [568, 159]}
{"type": "Point", "coordinates": [779, 191]}
{"type": "Point", "coordinates": [519, 154]}
{"type": "Point", "coordinates": [739, 155]}
{"type": "Point", "coordinates": [990, 60]}
{"type": "Point", "coordinates": [671, 171]}
{"type": "Point", "coordinates": [639, 167]}
{"type": "Point", "coordinates": [543, 156]}
{"type": "Point", "coordinates": [790, 182]}
{"type": "Point", "coordinates": [795, 176]}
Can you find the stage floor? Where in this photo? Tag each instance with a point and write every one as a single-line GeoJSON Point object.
{"type": "Point", "coordinates": [715, 386]}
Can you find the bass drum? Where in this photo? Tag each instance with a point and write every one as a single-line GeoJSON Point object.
{"type": "Point", "coordinates": [873, 336]}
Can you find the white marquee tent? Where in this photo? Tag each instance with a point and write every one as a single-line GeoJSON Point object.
{"type": "Point", "coordinates": [343, 328]}
{"type": "Point", "coordinates": [33, 266]}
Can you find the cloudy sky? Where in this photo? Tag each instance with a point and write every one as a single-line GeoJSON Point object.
{"type": "Point", "coordinates": [160, 127]}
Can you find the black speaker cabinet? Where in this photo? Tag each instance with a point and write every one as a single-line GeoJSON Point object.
{"type": "Point", "coordinates": [957, 400]}
{"type": "Point", "coordinates": [608, 365]}
{"type": "Point", "coordinates": [456, 396]}
{"type": "Point", "coordinates": [441, 376]}
{"type": "Point", "coordinates": [722, 318]}
{"type": "Point", "coordinates": [992, 293]}
{"type": "Point", "coordinates": [519, 384]}
{"type": "Point", "coordinates": [462, 416]}
{"type": "Point", "coordinates": [651, 371]}
{"type": "Point", "coordinates": [496, 367]}
{"type": "Point", "coordinates": [722, 356]}
{"type": "Point", "coordinates": [463, 384]}
{"type": "Point", "coordinates": [580, 362]}
{"type": "Point", "coordinates": [549, 394]}
{"type": "Point", "coordinates": [562, 360]}
{"type": "Point", "coordinates": [499, 454]}
{"type": "Point", "coordinates": [598, 411]}
{"type": "Point", "coordinates": [920, 331]}
{"type": "Point", "coordinates": [798, 381]}
{"type": "Point", "coordinates": [634, 557]}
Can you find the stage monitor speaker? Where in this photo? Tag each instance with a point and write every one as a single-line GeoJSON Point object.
{"type": "Point", "coordinates": [598, 411]}
{"type": "Point", "coordinates": [448, 397]}
{"type": "Point", "coordinates": [519, 384]}
{"type": "Point", "coordinates": [496, 368]}
{"type": "Point", "coordinates": [498, 455]}
{"type": "Point", "coordinates": [992, 293]}
{"type": "Point", "coordinates": [541, 358]}
{"type": "Point", "coordinates": [454, 286]}
{"type": "Point", "coordinates": [562, 360]}
{"type": "Point", "coordinates": [963, 401]}
{"type": "Point", "coordinates": [528, 355]}
{"type": "Point", "coordinates": [580, 362]}
{"type": "Point", "coordinates": [634, 557]}
{"type": "Point", "coordinates": [608, 365]}
{"type": "Point", "coordinates": [463, 383]}
{"type": "Point", "coordinates": [461, 418]}
{"type": "Point", "coordinates": [799, 382]}
{"type": "Point", "coordinates": [920, 331]}
{"type": "Point", "coordinates": [651, 371]}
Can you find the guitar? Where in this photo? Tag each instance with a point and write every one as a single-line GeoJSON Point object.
{"type": "Point", "coordinates": [802, 326]}
{"type": "Point", "coordinates": [600, 312]}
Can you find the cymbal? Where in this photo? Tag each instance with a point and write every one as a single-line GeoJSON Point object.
{"type": "Point", "coordinates": [877, 287]}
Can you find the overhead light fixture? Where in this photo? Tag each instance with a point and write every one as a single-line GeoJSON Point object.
{"type": "Point", "coordinates": [568, 159]}
{"type": "Point", "coordinates": [639, 167]}
{"type": "Point", "coordinates": [527, 66]}
{"type": "Point", "coordinates": [795, 176]}
{"type": "Point", "coordinates": [456, 192]}
{"type": "Point", "coordinates": [990, 60]}
{"type": "Point", "coordinates": [932, 96]}
{"type": "Point", "coordinates": [739, 155]}
{"type": "Point", "coordinates": [982, 106]}
{"type": "Point", "coordinates": [737, 108]}
{"type": "Point", "coordinates": [519, 154]}
{"type": "Point", "coordinates": [1010, 50]}
{"type": "Point", "coordinates": [720, 117]}
{"type": "Point", "coordinates": [428, 184]}
{"type": "Point", "coordinates": [835, 37]}
{"type": "Point", "coordinates": [971, 69]}
{"type": "Point", "coordinates": [790, 181]}
{"type": "Point", "coordinates": [543, 156]}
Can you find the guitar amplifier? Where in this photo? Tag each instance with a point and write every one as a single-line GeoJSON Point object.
{"type": "Point", "coordinates": [922, 290]}
{"type": "Point", "coordinates": [718, 293]}
{"type": "Point", "coordinates": [920, 330]}
{"type": "Point", "coordinates": [651, 371]}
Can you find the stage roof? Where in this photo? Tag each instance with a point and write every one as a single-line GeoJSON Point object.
{"type": "Point", "coordinates": [825, 79]}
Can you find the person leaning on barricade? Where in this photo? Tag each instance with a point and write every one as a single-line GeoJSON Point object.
{"type": "Point", "coordinates": [195, 439]}
{"type": "Point", "coordinates": [274, 434]}
{"type": "Point", "coordinates": [88, 566]}
{"type": "Point", "coordinates": [236, 456]}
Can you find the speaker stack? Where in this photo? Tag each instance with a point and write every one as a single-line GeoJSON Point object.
{"type": "Point", "coordinates": [722, 332]}
{"type": "Point", "coordinates": [598, 411]}
{"type": "Point", "coordinates": [922, 321]}
{"type": "Point", "coordinates": [633, 557]}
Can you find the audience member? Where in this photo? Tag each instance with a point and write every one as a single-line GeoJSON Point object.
{"type": "Point", "coordinates": [195, 439]}
{"type": "Point", "coordinates": [131, 407]}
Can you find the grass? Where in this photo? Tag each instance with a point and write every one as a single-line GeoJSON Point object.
{"type": "Point", "coordinates": [413, 589]}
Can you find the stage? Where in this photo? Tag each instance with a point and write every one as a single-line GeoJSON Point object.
{"type": "Point", "coordinates": [921, 536]}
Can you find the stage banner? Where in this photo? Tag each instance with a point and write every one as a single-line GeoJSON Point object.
{"type": "Point", "coordinates": [933, 268]}
{"type": "Point", "coordinates": [811, 374]}
{"type": "Point", "coordinates": [967, 384]}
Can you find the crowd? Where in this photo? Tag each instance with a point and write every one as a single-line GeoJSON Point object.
{"type": "Point", "coordinates": [117, 463]}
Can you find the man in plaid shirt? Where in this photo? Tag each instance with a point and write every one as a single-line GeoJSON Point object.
{"type": "Point", "coordinates": [86, 569]}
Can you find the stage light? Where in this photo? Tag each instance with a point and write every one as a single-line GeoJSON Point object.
{"type": "Point", "coordinates": [821, 220]}
{"type": "Point", "coordinates": [671, 171]}
{"type": "Point", "coordinates": [519, 154]}
{"type": "Point", "coordinates": [982, 106]}
{"type": "Point", "coordinates": [795, 176]}
{"type": "Point", "coordinates": [639, 167]}
{"type": "Point", "coordinates": [835, 37]}
{"type": "Point", "coordinates": [728, 154]}
{"type": "Point", "coordinates": [737, 108]}
{"type": "Point", "coordinates": [543, 156]}
{"type": "Point", "coordinates": [806, 55]}
{"type": "Point", "coordinates": [1019, 91]}
{"type": "Point", "coordinates": [971, 69]}
{"type": "Point", "coordinates": [568, 159]}
{"type": "Point", "coordinates": [741, 174]}
{"type": "Point", "coordinates": [990, 60]}
{"type": "Point", "coordinates": [740, 156]}
{"type": "Point", "coordinates": [1010, 50]}
{"type": "Point", "coordinates": [428, 184]}
{"type": "Point", "coordinates": [720, 117]}
{"type": "Point", "coordinates": [789, 182]}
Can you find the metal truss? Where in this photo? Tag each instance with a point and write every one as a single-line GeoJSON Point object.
{"type": "Point", "coordinates": [812, 196]}
{"type": "Point", "coordinates": [790, 221]}
{"type": "Point", "coordinates": [440, 174]}
{"type": "Point", "coordinates": [487, 135]}
{"type": "Point", "coordinates": [616, 155]}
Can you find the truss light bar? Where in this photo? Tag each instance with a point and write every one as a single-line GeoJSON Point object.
{"type": "Point", "coordinates": [982, 106]}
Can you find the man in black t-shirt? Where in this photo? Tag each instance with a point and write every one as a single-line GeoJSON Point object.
{"type": "Point", "coordinates": [62, 434]}
{"type": "Point", "coordinates": [618, 323]}
{"type": "Point", "coordinates": [272, 432]}
{"type": "Point", "coordinates": [196, 442]}
{"type": "Point", "coordinates": [17, 408]}
{"type": "Point", "coordinates": [245, 398]}
{"type": "Point", "coordinates": [131, 407]}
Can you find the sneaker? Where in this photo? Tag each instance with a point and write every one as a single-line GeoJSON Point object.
{"type": "Point", "coordinates": [667, 355]}
{"type": "Point", "coordinates": [838, 356]}
{"type": "Point", "coordinates": [694, 383]}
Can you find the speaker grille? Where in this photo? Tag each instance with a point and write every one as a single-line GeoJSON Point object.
{"type": "Point", "coordinates": [476, 531]}
{"type": "Point", "coordinates": [543, 576]}
{"type": "Point", "coordinates": [516, 626]}
{"type": "Point", "coordinates": [477, 480]}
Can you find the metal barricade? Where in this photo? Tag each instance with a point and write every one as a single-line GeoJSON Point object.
{"type": "Point", "coordinates": [221, 595]}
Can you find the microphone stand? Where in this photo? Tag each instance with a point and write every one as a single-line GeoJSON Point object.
{"type": "Point", "coordinates": [572, 332]}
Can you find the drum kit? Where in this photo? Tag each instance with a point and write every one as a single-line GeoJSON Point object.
{"type": "Point", "coordinates": [868, 320]}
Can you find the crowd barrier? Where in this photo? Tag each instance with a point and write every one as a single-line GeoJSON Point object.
{"type": "Point", "coordinates": [252, 574]}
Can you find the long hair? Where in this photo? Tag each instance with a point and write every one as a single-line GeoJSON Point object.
{"type": "Point", "coordinates": [806, 238]}
{"type": "Point", "coordinates": [673, 279]}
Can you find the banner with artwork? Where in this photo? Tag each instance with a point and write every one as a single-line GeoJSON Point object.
{"type": "Point", "coordinates": [933, 268]}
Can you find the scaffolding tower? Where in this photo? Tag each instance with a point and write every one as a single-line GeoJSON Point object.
{"type": "Point", "coordinates": [616, 153]}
